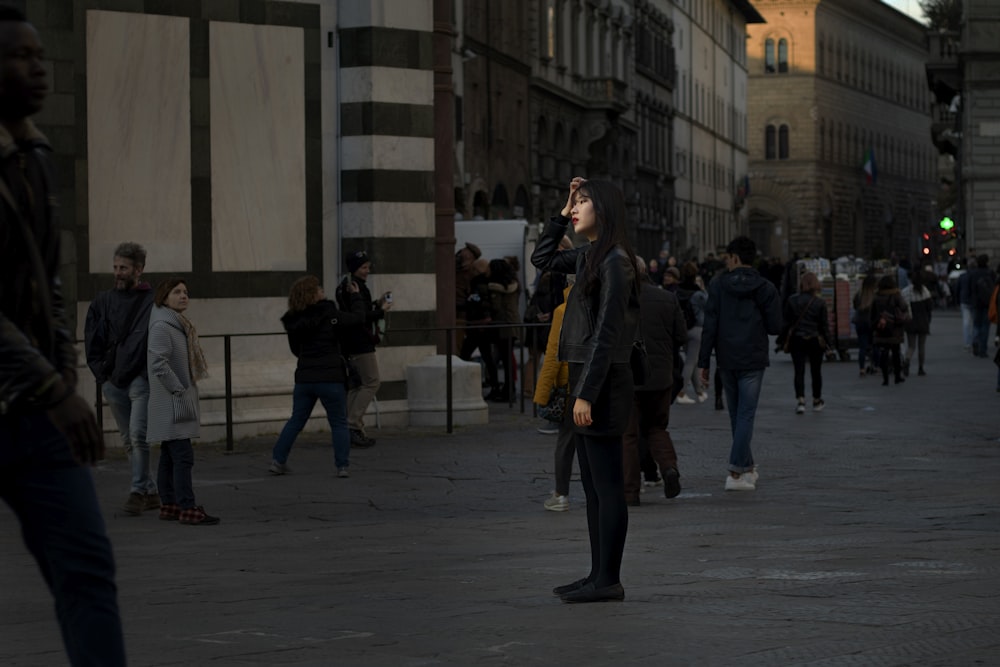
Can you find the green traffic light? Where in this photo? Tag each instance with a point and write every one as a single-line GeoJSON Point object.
{"type": "Point", "coordinates": [946, 223]}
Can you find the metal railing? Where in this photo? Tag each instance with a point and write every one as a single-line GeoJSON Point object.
{"type": "Point", "coordinates": [449, 346]}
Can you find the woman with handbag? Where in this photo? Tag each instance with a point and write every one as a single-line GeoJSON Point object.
{"type": "Point", "coordinates": [889, 318]}
{"type": "Point", "coordinates": [315, 326]}
{"type": "Point", "coordinates": [921, 304]}
{"type": "Point", "coordinates": [175, 363]}
{"type": "Point", "coordinates": [806, 340]}
{"type": "Point", "coordinates": [598, 336]}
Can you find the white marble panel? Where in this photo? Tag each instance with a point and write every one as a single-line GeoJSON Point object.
{"type": "Point", "coordinates": [257, 83]}
{"type": "Point", "coordinates": [387, 219]}
{"type": "Point", "coordinates": [388, 152]}
{"type": "Point", "coordinates": [139, 137]}
{"type": "Point", "coordinates": [410, 291]}
{"type": "Point", "coordinates": [386, 84]}
{"type": "Point", "coordinates": [392, 361]}
{"type": "Point", "coordinates": [405, 14]}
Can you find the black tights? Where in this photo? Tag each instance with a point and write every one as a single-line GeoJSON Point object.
{"type": "Point", "coordinates": [600, 459]}
{"type": "Point", "coordinates": [892, 351]}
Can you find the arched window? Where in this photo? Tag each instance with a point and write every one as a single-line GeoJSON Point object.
{"type": "Point", "coordinates": [782, 56]}
{"type": "Point", "coordinates": [783, 142]}
{"type": "Point", "coordinates": [770, 143]}
{"type": "Point", "coordinates": [769, 67]}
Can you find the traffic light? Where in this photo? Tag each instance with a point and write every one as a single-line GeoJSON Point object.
{"type": "Point", "coordinates": [946, 223]}
{"type": "Point", "coordinates": [926, 244]}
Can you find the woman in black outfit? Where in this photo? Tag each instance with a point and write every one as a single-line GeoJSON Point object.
{"type": "Point", "coordinates": [889, 318]}
{"type": "Point", "coordinates": [600, 325]}
{"type": "Point", "coordinates": [808, 334]}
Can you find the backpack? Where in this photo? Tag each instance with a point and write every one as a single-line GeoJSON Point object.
{"type": "Point", "coordinates": [684, 298]}
{"type": "Point", "coordinates": [982, 289]}
{"type": "Point", "coordinates": [993, 315]}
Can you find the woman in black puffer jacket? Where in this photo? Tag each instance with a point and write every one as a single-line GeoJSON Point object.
{"type": "Point", "coordinates": [600, 325]}
{"type": "Point", "coordinates": [315, 326]}
{"type": "Point", "coordinates": [808, 333]}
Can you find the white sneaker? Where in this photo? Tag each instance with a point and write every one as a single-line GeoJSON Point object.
{"type": "Point", "coordinates": [684, 400]}
{"type": "Point", "coordinates": [556, 503]}
{"type": "Point", "coordinates": [551, 428]}
{"type": "Point", "coordinates": [754, 475]}
{"type": "Point", "coordinates": [744, 482]}
{"type": "Point", "coordinates": [800, 409]}
{"type": "Point", "coordinates": [818, 405]}
{"type": "Point", "coordinates": [702, 397]}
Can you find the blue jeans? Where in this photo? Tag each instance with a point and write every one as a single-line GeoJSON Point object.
{"type": "Point", "coordinates": [865, 351]}
{"type": "Point", "coordinates": [61, 524]}
{"type": "Point", "coordinates": [130, 407]}
{"type": "Point", "coordinates": [967, 331]}
{"type": "Point", "coordinates": [742, 392]}
{"type": "Point", "coordinates": [981, 328]}
{"type": "Point", "coordinates": [174, 473]}
{"type": "Point", "coordinates": [333, 396]}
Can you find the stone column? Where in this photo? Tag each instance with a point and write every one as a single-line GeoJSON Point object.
{"type": "Point", "coordinates": [387, 172]}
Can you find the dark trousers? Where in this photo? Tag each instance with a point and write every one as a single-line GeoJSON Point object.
{"type": "Point", "coordinates": [61, 524]}
{"type": "Point", "coordinates": [600, 460]}
{"type": "Point", "coordinates": [483, 340]}
{"type": "Point", "coordinates": [174, 473]}
{"type": "Point", "coordinates": [650, 419]}
{"type": "Point", "coordinates": [565, 448]}
{"type": "Point", "coordinates": [890, 352]}
{"type": "Point", "coordinates": [807, 350]}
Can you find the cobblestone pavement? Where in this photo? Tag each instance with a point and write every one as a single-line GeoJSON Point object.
{"type": "Point", "coordinates": [872, 540]}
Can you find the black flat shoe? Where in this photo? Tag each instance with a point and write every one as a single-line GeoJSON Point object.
{"type": "Point", "coordinates": [569, 588]}
{"type": "Point", "coordinates": [590, 593]}
{"type": "Point", "coordinates": [671, 483]}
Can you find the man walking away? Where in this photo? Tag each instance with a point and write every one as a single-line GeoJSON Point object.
{"type": "Point", "coordinates": [48, 433]}
{"type": "Point", "coordinates": [664, 332]}
{"type": "Point", "coordinates": [981, 282]}
{"type": "Point", "coordinates": [359, 346]}
{"type": "Point", "coordinates": [115, 340]}
{"type": "Point", "coordinates": [742, 309]}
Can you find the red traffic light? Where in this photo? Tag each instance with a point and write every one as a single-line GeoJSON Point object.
{"type": "Point", "coordinates": [927, 237]}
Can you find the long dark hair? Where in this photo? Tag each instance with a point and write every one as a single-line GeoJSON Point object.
{"type": "Point", "coordinates": [609, 213]}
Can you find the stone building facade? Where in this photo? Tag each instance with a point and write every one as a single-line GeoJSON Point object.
{"type": "Point", "coordinates": [832, 84]}
{"type": "Point", "coordinates": [581, 99]}
{"type": "Point", "coordinates": [710, 122]}
{"type": "Point", "coordinates": [654, 81]}
{"type": "Point", "coordinates": [963, 71]}
{"type": "Point", "coordinates": [494, 125]}
{"type": "Point", "coordinates": [246, 143]}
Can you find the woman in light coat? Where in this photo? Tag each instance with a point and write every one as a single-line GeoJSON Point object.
{"type": "Point", "coordinates": [175, 363]}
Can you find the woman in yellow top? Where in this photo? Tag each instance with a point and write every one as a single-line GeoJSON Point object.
{"type": "Point", "coordinates": [554, 375]}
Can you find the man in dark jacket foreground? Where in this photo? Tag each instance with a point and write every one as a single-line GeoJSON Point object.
{"type": "Point", "coordinates": [742, 309]}
{"type": "Point", "coordinates": [48, 433]}
{"type": "Point", "coordinates": [664, 331]}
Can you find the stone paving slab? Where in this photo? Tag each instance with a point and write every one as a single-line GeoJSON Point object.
{"type": "Point", "coordinates": [872, 540]}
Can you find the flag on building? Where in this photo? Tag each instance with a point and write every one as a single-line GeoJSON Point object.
{"type": "Point", "coordinates": [871, 172]}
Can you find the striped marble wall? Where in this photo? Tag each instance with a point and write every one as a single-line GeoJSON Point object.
{"type": "Point", "coordinates": [387, 167]}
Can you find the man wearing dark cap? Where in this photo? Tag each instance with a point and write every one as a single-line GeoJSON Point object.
{"type": "Point", "coordinates": [359, 346]}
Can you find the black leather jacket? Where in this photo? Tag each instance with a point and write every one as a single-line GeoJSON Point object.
{"type": "Point", "coordinates": [599, 328]}
{"type": "Point", "coordinates": [35, 346]}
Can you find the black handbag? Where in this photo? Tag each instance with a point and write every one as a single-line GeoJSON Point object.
{"type": "Point", "coordinates": [639, 361]}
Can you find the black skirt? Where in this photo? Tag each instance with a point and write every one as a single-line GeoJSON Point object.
{"type": "Point", "coordinates": [613, 406]}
